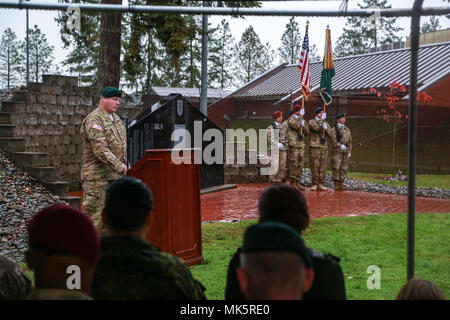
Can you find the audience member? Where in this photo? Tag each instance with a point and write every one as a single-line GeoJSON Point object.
{"type": "Point", "coordinates": [284, 203]}
{"type": "Point", "coordinates": [129, 266]}
{"type": "Point", "coordinates": [63, 251]}
{"type": "Point", "coordinates": [417, 289]}
{"type": "Point", "coordinates": [14, 283]}
{"type": "Point", "coordinates": [275, 264]}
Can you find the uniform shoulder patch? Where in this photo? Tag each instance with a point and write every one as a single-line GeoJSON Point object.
{"type": "Point", "coordinates": [96, 126]}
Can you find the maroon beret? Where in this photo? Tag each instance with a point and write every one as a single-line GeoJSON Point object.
{"type": "Point", "coordinates": [296, 108]}
{"type": "Point", "coordinates": [276, 114]}
{"type": "Point", "coordinates": [64, 230]}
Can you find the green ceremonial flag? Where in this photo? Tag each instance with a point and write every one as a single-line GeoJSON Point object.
{"type": "Point", "coordinates": [328, 70]}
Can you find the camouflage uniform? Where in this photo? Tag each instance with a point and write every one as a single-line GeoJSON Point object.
{"type": "Point", "coordinates": [339, 157]}
{"type": "Point", "coordinates": [104, 159]}
{"type": "Point", "coordinates": [296, 133]}
{"type": "Point", "coordinates": [130, 268]}
{"type": "Point", "coordinates": [281, 159]}
{"type": "Point", "coordinates": [318, 150]}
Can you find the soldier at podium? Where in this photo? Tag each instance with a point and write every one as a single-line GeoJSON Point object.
{"type": "Point", "coordinates": [104, 152]}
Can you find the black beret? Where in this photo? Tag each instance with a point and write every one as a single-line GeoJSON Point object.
{"type": "Point", "coordinates": [318, 110]}
{"type": "Point", "coordinates": [275, 236]}
{"type": "Point", "coordinates": [109, 92]}
{"type": "Point", "coordinates": [340, 115]}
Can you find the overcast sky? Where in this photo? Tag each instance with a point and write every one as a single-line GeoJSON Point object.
{"type": "Point", "coordinates": [269, 29]}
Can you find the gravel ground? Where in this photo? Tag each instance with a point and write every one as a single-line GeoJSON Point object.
{"type": "Point", "coordinates": [20, 197]}
{"type": "Point", "coordinates": [353, 184]}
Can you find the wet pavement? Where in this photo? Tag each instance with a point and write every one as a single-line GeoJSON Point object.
{"type": "Point", "coordinates": [242, 203]}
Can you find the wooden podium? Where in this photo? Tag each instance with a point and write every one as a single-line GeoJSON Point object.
{"type": "Point", "coordinates": [176, 225]}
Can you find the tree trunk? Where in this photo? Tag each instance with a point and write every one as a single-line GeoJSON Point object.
{"type": "Point", "coordinates": [109, 53]}
{"type": "Point", "coordinates": [9, 67]}
{"type": "Point", "coordinates": [37, 64]}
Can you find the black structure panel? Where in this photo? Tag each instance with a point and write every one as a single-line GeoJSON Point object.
{"type": "Point", "coordinates": [153, 128]}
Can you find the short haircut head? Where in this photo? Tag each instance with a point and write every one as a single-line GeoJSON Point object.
{"type": "Point", "coordinates": [271, 274]}
{"type": "Point", "coordinates": [286, 204]}
{"type": "Point", "coordinates": [417, 289]}
{"type": "Point", "coordinates": [128, 202]}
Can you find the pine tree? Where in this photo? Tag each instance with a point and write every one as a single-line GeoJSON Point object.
{"type": "Point", "coordinates": [314, 54]}
{"type": "Point", "coordinates": [10, 60]}
{"type": "Point", "coordinates": [359, 35]}
{"type": "Point", "coordinates": [220, 56]}
{"type": "Point", "coordinates": [252, 58]}
{"type": "Point", "coordinates": [291, 43]}
{"type": "Point", "coordinates": [40, 52]}
{"type": "Point", "coordinates": [430, 25]}
{"type": "Point", "coordinates": [168, 32]}
{"type": "Point", "coordinates": [194, 51]}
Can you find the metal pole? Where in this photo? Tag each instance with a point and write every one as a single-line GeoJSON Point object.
{"type": "Point", "coordinates": [412, 137]}
{"type": "Point", "coordinates": [402, 12]}
{"type": "Point", "coordinates": [28, 53]}
{"type": "Point", "coordinates": [204, 89]}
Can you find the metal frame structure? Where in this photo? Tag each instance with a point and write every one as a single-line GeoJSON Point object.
{"type": "Point", "coordinates": [403, 12]}
{"type": "Point", "coordinates": [415, 13]}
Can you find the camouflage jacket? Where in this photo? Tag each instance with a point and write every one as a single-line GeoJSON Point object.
{"type": "Point", "coordinates": [345, 139]}
{"type": "Point", "coordinates": [316, 138]}
{"type": "Point", "coordinates": [130, 268]}
{"type": "Point", "coordinates": [104, 146]}
{"type": "Point", "coordinates": [282, 138]}
{"type": "Point", "coordinates": [296, 132]}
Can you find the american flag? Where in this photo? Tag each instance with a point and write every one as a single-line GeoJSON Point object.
{"type": "Point", "coordinates": [303, 65]}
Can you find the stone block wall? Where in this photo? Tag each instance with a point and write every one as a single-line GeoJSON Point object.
{"type": "Point", "coordinates": [49, 115]}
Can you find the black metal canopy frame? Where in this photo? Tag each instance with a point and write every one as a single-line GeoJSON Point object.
{"type": "Point", "coordinates": [415, 13]}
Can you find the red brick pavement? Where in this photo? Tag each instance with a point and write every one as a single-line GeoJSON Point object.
{"type": "Point", "coordinates": [242, 203]}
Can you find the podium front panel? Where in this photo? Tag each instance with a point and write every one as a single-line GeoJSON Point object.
{"type": "Point", "coordinates": [176, 221]}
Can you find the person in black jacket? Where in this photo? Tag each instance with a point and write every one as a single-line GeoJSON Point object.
{"type": "Point", "coordinates": [286, 204]}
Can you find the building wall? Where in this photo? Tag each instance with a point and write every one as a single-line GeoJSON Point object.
{"type": "Point", "coordinates": [375, 152]}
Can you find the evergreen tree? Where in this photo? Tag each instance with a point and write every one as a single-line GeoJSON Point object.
{"type": "Point", "coordinates": [359, 35]}
{"type": "Point", "coordinates": [10, 60]}
{"type": "Point", "coordinates": [169, 39]}
{"type": "Point", "coordinates": [40, 52]}
{"type": "Point", "coordinates": [430, 25]}
{"type": "Point", "coordinates": [220, 56]}
{"type": "Point", "coordinates": [252, 58]}
{"type": "Point", "coordinates": [314, 54]}
{"type": "Point", "coordinates": [194, 51]}
{"type": "Point", "coordinates": [291, 43]}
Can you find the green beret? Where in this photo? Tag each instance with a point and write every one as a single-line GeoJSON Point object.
{"type": "Point", "coordinates": [275, 236]}
{"type": "Point", "coordinates": [318, 110]}
{"type": "Point", "coordinates": [340, 115]}
{"type": "Point", "coordinates": [109, 92]}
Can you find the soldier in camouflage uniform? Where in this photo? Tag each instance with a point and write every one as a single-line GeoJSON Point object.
{"type": "Point", "coordinates": [318, 149]}
{"type": "Point", "coordinates": [341, 139]}
{"type": "Point", "coordinates": [280, 141]}
{"type": "Point", "coordinates": [297, 130]}
{"type": "Point", "coordinates": [104, 152]}
{"type": "Point", "coordinates": [131, 268]}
